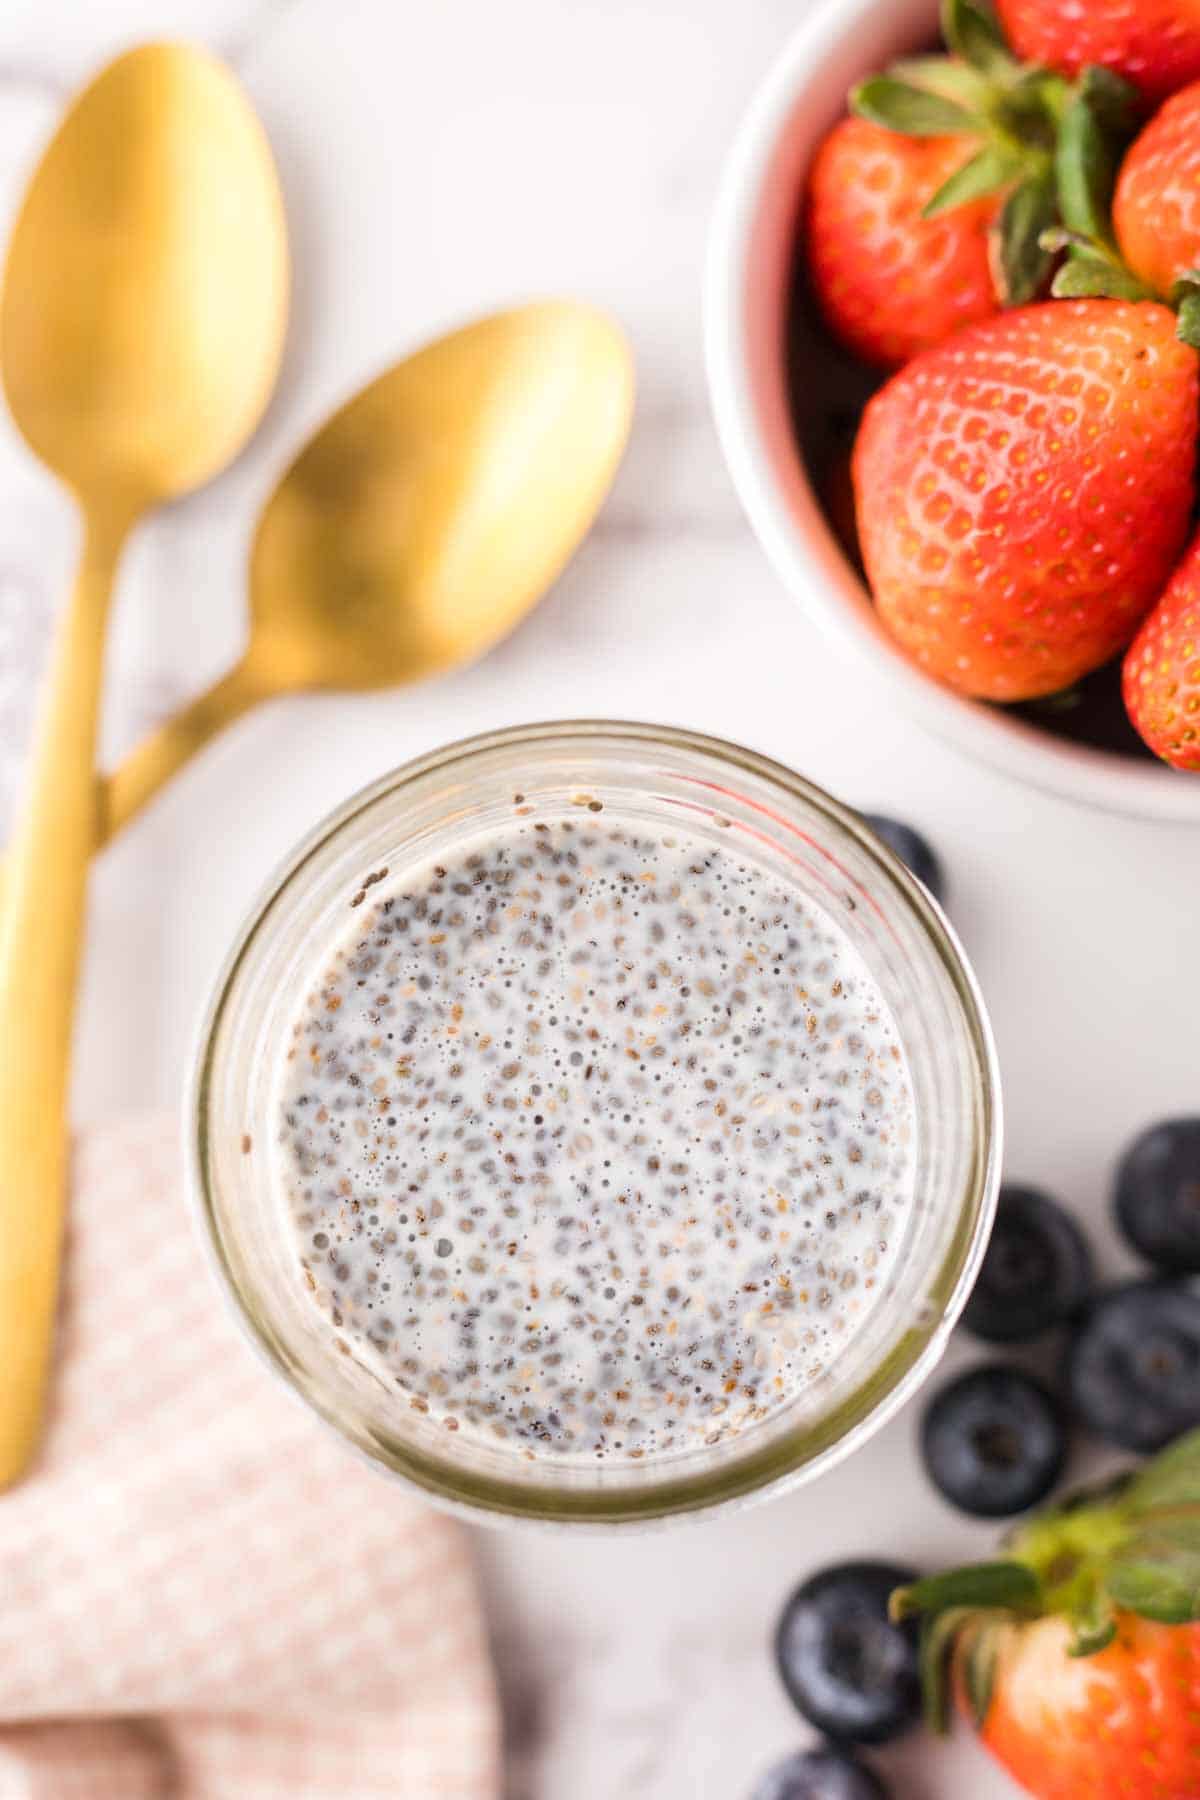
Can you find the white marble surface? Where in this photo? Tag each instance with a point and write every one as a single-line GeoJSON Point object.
{"type": "Point", "coordinates": [438, 159]}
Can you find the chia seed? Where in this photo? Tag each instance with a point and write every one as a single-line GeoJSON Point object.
{"type": "Point", "coordinates": [679, 1231]}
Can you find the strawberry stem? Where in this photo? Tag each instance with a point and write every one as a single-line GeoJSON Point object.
{"type": "Point", "coordinates": [1064, 1549]}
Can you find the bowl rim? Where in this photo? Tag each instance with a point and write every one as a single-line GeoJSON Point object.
{"type": "Point", "coordinates": [793, 529]}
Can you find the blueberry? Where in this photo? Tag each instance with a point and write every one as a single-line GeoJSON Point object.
{"type": "Point", "coordinates": [1158, 1195]}
{"type": "Point", "coordinates": [1133, 1370]}
{"type": "Point", "coordinates": [825, 1774]}
{"type": "Point", "coordinates": [916, 852]}
{"type": "Point", "coordinates": [993, 1441]}
{"type": "Point", "coordinates": [1037, 1271]}
{"type": "Point", "coordinates": [847, 1668]}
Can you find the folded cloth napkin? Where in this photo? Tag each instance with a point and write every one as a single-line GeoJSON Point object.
{"type": "Point", "coordinates": [202, 1593]}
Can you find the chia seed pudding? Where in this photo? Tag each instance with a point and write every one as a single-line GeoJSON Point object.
{"type": "Point", "coordinates": [596, 1142]}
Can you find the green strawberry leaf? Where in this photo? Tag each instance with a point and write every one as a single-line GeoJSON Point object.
{"type": "Point", "coordinates": [1091, 1640]}
{"type": "Point", "coordinates": [1085, 169]}
{"type": "Point", "coordinates": [980, 1584]}
{"type": "Point", "coordinates": [1093, 1623]}
{"type": "Point", "coordinates": [1087, 276]}
{"type": "Point", "coordinates": [947, 76]}
{"type": "Point", "coordinates": [985, 173]}
{"type": "Point", "coordinates": [1113, 100]}
{"type": "Point", "coordinates": [1030, 110]}
{"type": "Point", "coordinates": [1187, 326]}
{"type": "Point", "coordinates": [914, 111]}
{"type": "Point", "coordinates": [1039, 93]}
{"type": "Point", "coordinates": [972, 32]}
{"type": "Point", "coordinates": [1056, 238]}
{"type": "Point", "coordinates": [1171, 1478]}
{"type": "Point", "coordinates": [938, 1633]}
{"type": "Point", "coordinates": [1023, 263]}
{"type": "Point", "coordinates": [1157, 1573]}
{"type": "Point", "coordinates": [979, 1673]}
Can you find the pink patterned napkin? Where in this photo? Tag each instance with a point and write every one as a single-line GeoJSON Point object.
{"type": "Point", "coordinates": [202, 1593]}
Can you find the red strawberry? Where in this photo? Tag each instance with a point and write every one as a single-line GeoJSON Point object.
{"type": "Point", "coordinates": [1156, 205]}
{"type": "Point", "coordinates": [931, 208]}
{"type": "Point", "coordinates": [1023, 492]}
{"type": "Point", "coordinates": [1162, 669]}
{"type": "Point", "coordinates": [1155, 44]}
{"type": "Point", "coordinates": [1077, 1658]}
{"type": "Point", "coordinates": [889, 281]}
{"type": "Point", "coordinates": [1115, 1726]}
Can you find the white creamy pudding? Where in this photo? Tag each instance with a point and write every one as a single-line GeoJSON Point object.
{"type": "Point", "coordinates": [597, 1140]}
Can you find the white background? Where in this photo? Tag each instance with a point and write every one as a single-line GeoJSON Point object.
{"type": "Point", "coordinates": [440, 157]}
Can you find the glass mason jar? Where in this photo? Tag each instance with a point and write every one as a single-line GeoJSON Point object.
{"type": "Point", "coordinates": [657, 777]}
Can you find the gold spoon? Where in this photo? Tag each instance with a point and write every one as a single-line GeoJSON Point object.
{"type": "Point", "coordinates": [141, 327]}
{"type": "Point", "coordinates": [421, 522]}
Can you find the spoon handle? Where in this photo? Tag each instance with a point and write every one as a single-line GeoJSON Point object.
{"type": "Point", "coordinates": [149, 766]}
{"type": "Point", "coordinates": [41, 933]}
{"type": "Point", "coordinates": [161, 755]}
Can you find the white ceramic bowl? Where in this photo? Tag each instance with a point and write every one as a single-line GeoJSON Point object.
{"type": "Point", "coordinates": [749, 280]}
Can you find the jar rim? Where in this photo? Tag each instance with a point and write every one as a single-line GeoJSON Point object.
{"type": "Point", "coordinates": [811, 1447]}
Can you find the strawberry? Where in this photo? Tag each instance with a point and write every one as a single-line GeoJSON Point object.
{"type": "Point", "coordinates": [925, 211]}
{"type": "Point", "coordinates": [1052, 1723]}
{"type": "Point", "coordinates": [1077, 1657]}
{"type": "Point", "coordinates": [889, 281]}
{"type": "Point", "coordinates": [1023, 492]}
{"type": "Point", "coordinates": [1156, 205]}
{"type": "Point", "coordinates": [1161, 676]}
{"type": "Point", "coordinates": [1155, 44]}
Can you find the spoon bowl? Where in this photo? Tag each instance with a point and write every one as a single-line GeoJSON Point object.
{"type": "Point", "coordinates": [421, 522]}
{"type": "Point", "coordinates": [145, 291]}
{"type": "Point", "coordinates": [431, 511]}
{"type": "Point", "coordinates": [141, 327]}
